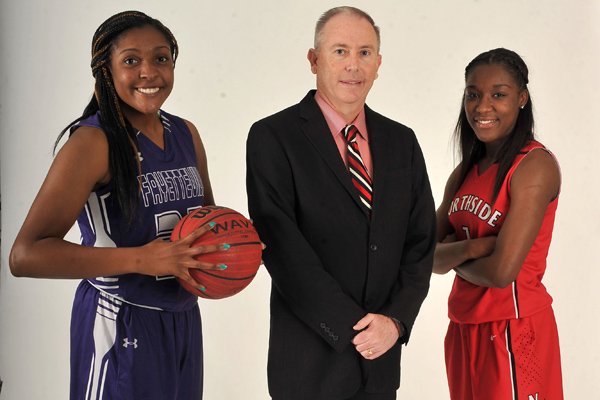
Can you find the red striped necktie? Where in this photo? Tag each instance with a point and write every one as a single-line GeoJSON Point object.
{"type": "Point", "coordinates": [356, 166]}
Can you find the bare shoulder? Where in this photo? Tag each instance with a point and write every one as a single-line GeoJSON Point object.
{"type": "Point", "coordinates": [443, 225]}
{"type": "Point", "coordinates": [86, 150]}
{"type": "Point", "coordinates": [453, 180]}
{"type": "Point", "coordinates": [195, 134]}
{"type": "Point", "coordinates": [202, 163]}
{"type": "Point", "coordinates": [538, 162]}
{"type": "Point", "coordinates": [539, 169]}
{"type": "Point", "coordinates": [451, 188]}
{"type": "Point", "coordinates": [542, 157]}
{"type": "Point", "coordinates": [88, 137]}
{"type": "Point", "coordinates": [191, 127]}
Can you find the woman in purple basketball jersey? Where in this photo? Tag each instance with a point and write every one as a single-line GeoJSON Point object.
{"type": "Point", "coordinates": [128, 172]}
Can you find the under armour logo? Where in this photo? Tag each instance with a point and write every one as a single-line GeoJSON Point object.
{"type": "Point", "coordinates": [140, 156]}
{"type": "Point", "coordinates": [127, 343]}
{"type": "Point", "coordinates": [492, 337]}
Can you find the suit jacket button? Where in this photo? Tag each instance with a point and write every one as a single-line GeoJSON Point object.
{"type": "Point", "coordinates": [373, 247]}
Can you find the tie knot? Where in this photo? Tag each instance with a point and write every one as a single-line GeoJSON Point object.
{"type": "Point", "coordinates": [350, 132]}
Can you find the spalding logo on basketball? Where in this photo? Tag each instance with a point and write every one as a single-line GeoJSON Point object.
{"type": "Point", "coordinates": [242, 258]}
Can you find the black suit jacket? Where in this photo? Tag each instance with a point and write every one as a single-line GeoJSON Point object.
{"type": "Point", "coordinates": [330, 263]}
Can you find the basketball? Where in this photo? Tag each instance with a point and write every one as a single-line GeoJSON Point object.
{"type": "Point", "coordinates": [242, 258]}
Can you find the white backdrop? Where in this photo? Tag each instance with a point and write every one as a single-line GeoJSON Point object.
{"type": "Point", "coordinates": [243, 60]}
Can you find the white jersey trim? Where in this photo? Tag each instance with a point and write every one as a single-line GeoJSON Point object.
{"type": "Point", "coordinates": [101, 289]}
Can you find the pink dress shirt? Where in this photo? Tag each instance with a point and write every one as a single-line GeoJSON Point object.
{"type": "Point", "coordinates": [336, 123]}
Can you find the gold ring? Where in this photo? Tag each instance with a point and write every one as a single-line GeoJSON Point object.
{"type": "Point", "coordinates": [370, 352]}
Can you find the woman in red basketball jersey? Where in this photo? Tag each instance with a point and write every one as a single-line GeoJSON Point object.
{"type": "Point", "coordinates": [494, 230]}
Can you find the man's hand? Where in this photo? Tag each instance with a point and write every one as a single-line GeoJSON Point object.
{"type": "Point", "coordinates": [378, 335]}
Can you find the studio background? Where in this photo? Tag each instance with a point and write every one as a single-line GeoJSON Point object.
{"type": "Point", "coordinates": [243, 60]}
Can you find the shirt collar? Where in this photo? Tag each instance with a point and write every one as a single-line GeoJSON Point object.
{"type": "Point", "coordinates": [335, 121]}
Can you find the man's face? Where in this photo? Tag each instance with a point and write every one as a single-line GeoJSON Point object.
{"type": "Point", "coordinates": [345, 61]}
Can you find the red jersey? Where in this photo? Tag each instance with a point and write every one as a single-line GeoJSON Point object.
{"type": "Point", "coordinates": [472, 214]}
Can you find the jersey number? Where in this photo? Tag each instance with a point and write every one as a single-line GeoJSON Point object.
{"type": "Point", "coordinates": [467, 233]}
{"type": "Point", "coordinates": [165, 223]}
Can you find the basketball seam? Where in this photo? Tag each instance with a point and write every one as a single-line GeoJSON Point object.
{"type": "Point", "coordinates": [243, 244]}
{"type": "Point", "coordinates": [180, 225]}
{"type": "Point", "coordinates": [224, 277]}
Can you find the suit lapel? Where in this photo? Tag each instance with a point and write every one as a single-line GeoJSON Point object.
{"type": "Point", "coordinates": [380, 152]}
{"type": "Point", "coordinates": [317, 131]}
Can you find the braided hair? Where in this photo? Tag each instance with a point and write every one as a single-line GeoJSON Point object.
{"type": "Point", "coordinates": [122, 148]}
{"type": "Point", "coordinates": [471, 149]}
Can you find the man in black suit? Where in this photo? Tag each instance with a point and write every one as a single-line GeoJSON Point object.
{"type": "Point", "coordinates": [348, 274]}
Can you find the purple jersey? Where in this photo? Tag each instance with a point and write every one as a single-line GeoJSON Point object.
{"type": "Point", "coordinates": [170, 188]}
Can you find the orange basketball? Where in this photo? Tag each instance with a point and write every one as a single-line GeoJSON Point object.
{"type": "Point", "coordinates": [242, 258]}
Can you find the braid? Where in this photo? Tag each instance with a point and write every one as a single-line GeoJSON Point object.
{"type": "Point", "coordinates": [123, 157]}
{"type": "Point", "coordinates": [471, 149]}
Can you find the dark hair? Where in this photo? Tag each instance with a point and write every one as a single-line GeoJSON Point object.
{"type": "Point", "coordinates": [122, 147]}
{"type": "Point", "coordinates": [471, 149]}
{"type": "Point", "coordinates": [327, 15]}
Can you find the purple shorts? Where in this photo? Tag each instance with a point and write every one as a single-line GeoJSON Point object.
{"type": "Point", "coordinates": [121, 351]}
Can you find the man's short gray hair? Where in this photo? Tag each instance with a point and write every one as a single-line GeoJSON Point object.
{"type": "Point", "coordinates": [327, 15]}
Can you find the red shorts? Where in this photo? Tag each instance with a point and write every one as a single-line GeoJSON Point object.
{"type": "Point", "coordinates": [500, 360]}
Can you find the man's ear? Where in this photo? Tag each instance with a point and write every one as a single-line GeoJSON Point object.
{"type": "Point", "coordinates": [312, 59]}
